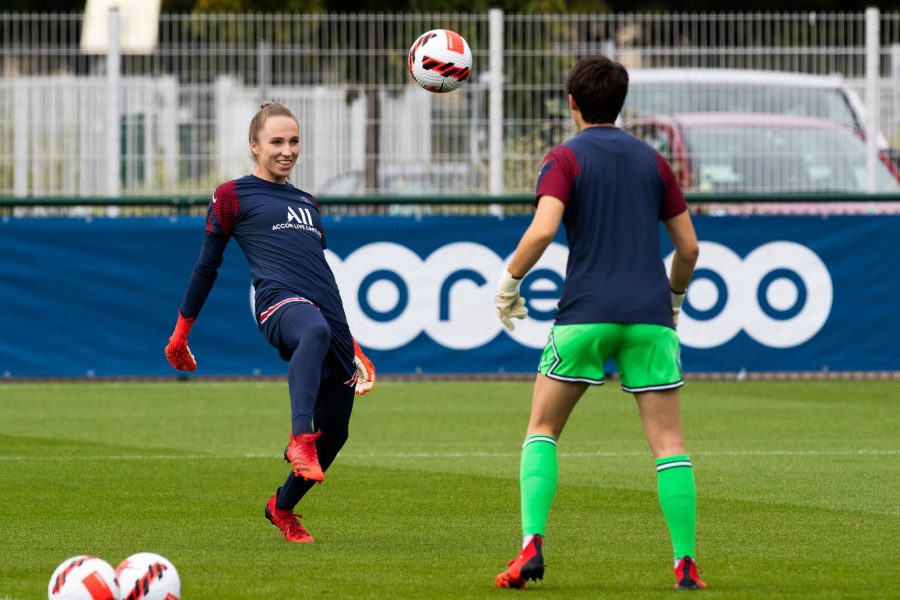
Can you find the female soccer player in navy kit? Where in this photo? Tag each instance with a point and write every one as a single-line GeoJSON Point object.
{"type": "Point", "coordinates": [610, 190]}
{"type": "Point", "coordinates": [298, 307]}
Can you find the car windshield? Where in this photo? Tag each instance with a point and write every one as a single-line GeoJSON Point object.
{"type": "Point", "coordinates": [646, 98]}
{"type": "Point", "coordinates": [765, 159]}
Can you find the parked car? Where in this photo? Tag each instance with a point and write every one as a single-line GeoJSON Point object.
{"type": "Point", "coordinates": [408, 180]}
{"type": "Point", "coordinates": [759, 153]}
{"type": "Point", "coordinates": [671, 91]}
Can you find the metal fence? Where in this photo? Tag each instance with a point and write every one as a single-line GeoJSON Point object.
{"type": "Point", "coordinates": [173, 120]}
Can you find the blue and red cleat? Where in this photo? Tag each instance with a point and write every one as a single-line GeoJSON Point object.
{"type": "Point", "coordinates": [686, 577]}
{"type": "Point", "coordinates": [528, 566]}
{"type": "Point", "coordinates": [288, 522]}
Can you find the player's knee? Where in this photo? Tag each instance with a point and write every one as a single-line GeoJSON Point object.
{"type": "Point", "coordinates": [319, 334]}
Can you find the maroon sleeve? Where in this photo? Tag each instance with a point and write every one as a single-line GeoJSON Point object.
{"type": "Point", "coordinates": [224, 209]}
{"type": "Point", "coordinates": [557, 172]}
{"type": "Point", "coordinates": [673, 203]}
{"type": "Point", "coordinates": [220, 219]}
{"type": "Point", "coordinates": [315, 203]}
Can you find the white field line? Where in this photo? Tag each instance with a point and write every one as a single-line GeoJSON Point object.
{"type": "Point", "coordinates": [435, 455]}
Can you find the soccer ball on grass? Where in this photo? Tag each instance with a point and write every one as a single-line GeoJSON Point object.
{"type": "Point", "coordinates": [148, 576]}
{"type": "Point", "coordinates": [83, 578]}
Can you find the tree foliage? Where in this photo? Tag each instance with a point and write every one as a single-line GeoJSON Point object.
{"type": "Point", "coordinates": [257, 6]}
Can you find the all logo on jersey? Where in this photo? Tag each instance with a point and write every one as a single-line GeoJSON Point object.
{"type": "Point", "coordinates": [303, 217]}
{"type": "Point", "coordinates": [299, 218]}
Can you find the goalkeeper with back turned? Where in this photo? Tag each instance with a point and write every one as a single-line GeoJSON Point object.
{"type": "Point", "coordinates": [610, 190]}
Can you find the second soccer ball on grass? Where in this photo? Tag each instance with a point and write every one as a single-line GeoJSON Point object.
{"type": "Point", "coordinates": [440, 60]}
{"type": "Point", "coordinates": [148, 576]}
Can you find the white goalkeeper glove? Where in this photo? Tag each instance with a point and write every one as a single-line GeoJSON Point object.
{"type": "Point", "coordinates": [510, 305]}
{"type": "Point", "coordinates": [677, 301]}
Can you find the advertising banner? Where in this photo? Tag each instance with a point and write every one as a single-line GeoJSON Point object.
{"type": "Point", "coordinates": [99, 297]}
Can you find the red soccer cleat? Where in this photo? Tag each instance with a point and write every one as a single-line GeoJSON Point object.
{"type": "Point", "coordinates": [287, 522]}
{"type": "Point", "coordinates": [686, 577]}
{"type": "Point", "coordinates": [528, 566]}
{"type": "Point", "coordinates": [301, 453]}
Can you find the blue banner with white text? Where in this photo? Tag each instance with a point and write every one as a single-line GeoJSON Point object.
{"type": "Point", "coordinates": [99, 297]}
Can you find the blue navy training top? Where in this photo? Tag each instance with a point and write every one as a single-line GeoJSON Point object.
{"type": "Point", "coordinates": [616, 189]}
{"type": "Point", "coordinates": [280, 231]}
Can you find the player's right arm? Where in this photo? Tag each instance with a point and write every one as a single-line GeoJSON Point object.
{"type": "Point", "coordinates": [687, 250]}
{"type": "Point", "coordinates": [554, 187]}
{"type": "Point", "coordinates": [221, 216]}
{"type": "Point", "coordinates": [540, 232]}
{"type": "Point", "coordinates": [510, 305]}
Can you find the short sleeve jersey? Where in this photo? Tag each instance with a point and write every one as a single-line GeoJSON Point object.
{"type": "Point", "coordinates": [279, 228]}
{"type": "Point", "coordinates": [616, 189]}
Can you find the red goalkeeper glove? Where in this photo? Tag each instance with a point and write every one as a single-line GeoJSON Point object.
{"type": "Point", "coordinates": [177, 351]}
{"type": "Point", "coordinates": [365, 371]}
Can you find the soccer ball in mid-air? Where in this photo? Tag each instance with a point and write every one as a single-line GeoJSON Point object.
{"type": "Point", "coordinates": [440, 60]}
{"type": "Point", "coordinates": [83, 578]}
{"type": "Point", "coordinates": [148, 576]}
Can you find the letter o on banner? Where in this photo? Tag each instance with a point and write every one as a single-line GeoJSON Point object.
{"type": "Point", "coordinates": [780, 295]}
{"type": "Point", "coordinates": [794, 266]}
{"type": "Point", "coordinates": [381, 285]}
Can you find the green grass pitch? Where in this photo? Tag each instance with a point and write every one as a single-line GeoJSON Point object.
{"type": "Point", "coordinates": [798, 486]}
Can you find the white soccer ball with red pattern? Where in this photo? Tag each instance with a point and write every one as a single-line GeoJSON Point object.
{"type": "Point", "coordinates": [148, 576]}
{"type": "Point", "coordinates": [440, 60]}
{"type": "Point", "coordinates": [84, 578]}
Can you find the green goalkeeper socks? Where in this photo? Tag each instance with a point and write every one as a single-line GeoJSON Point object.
{"type": "Point", "coordinates": [538, 475]}
{"type": "Point", "coordinates": [678, 500]}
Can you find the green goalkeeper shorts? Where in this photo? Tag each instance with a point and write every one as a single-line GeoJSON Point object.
{"type": "Point", "coordinates": [647, 356]}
